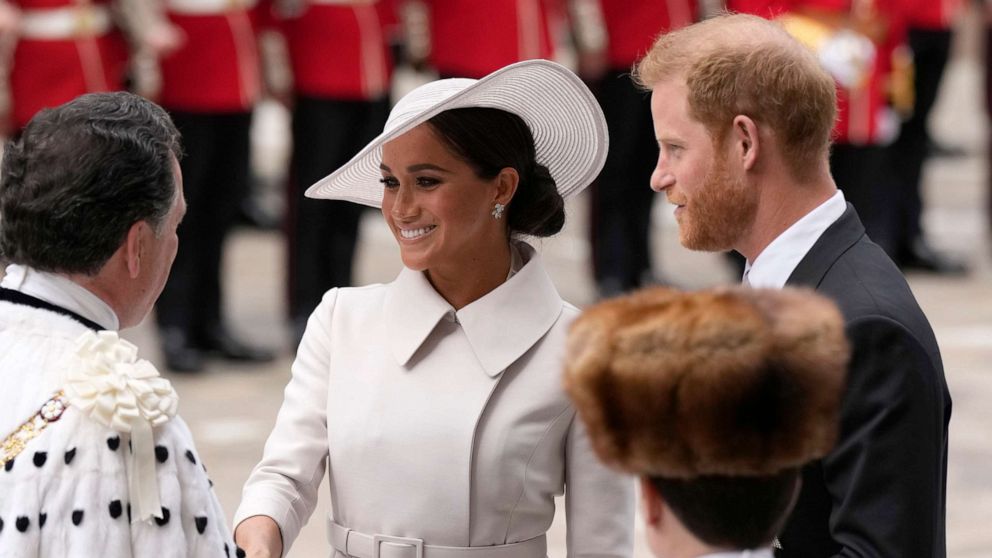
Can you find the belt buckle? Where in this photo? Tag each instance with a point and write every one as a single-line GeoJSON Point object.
{"type": "Point", "coordinates": [377, 540]}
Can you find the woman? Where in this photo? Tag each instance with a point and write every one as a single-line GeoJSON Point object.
{"type": "Point", "coordinates": [436, 400]}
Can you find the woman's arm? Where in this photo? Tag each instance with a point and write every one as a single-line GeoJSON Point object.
{"type": "Point", "coordinates": [283, 486]}
{"type": "Point", "coordinates": [259, 536]}
{"type": "Point", "coordinates": [599, 503]}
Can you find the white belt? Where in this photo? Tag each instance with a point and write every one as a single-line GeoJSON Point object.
{"type": "Point", "coordinates": [208, 7]}
{"type": "Point", "coordinates": [360, 545]}
{"type": "Point", "coordinates": [69, 22]}
{"type": "Point", "coordinates": [344, 2]}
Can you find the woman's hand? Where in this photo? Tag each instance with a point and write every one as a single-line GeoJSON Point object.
{"type": "Point", "coordinates": [259, 536]}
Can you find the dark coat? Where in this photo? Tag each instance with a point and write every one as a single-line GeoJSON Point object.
{"type": "Point", "coordinates": [882, 490]}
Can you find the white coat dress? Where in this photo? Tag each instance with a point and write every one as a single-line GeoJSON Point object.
{"type": "Point", "coordinates": [442, 425]}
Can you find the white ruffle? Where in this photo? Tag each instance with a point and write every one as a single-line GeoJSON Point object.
{"type": "Point", "coordinates": [107, 382]}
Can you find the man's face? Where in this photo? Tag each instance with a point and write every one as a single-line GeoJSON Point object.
{"type": "Point", "coordinates": [715, 206]}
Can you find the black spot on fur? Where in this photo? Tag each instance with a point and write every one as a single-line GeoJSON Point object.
{"type": "Point", "coordinates": [116, 509]}
{"type": "Point", "coordinates": [40, 457]}
{"type": "Point", "coordinates": [201, 524]}
{"type": "Point", "coordinates": [162, 521]}
{"type": "Point", "coordinates": [42, 518]}
{"type": "Point", "coordinates": [161, 453]}
{"type": "Point", "coordinates": [22, 523]}
{"type": "Point", "coordinates": [77, 517]}
{"type": "Point", "coordinates": [191, 457]}
{"type": "Point", "coordinates": [114, 443]}
{"type": "Point", "coordinates": [69, 455]}
{"type": "Point", "coordinates": [8, 465]}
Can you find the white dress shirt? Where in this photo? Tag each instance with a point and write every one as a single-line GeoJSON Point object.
{"type": "Point", "coordinates": [60, 291]}
{"type": "Point", "coordinates": [774, 265]}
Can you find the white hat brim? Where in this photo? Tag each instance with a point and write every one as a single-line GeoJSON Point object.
{"type": "Point", "coordinates": [567, 123]}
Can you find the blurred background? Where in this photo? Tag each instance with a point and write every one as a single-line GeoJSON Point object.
{"type": "Point", "coordinates": [319, 85]}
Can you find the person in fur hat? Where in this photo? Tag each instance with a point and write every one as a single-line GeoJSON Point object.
{"type": "Point", "coordinates": [715, 399]}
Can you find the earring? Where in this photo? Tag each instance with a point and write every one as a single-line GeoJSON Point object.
{"type": "Point", "coordinates": [498, 211]}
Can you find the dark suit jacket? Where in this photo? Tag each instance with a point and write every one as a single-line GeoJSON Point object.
{"type": "Point", "coordinates": [881, 491]}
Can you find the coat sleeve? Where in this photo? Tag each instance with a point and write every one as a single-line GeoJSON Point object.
{"type": "Point", "coordinates": [886, 476]}
{"type": "Point", "coordinates": [599, 503]}
{"type": "Point", "coordinates": [284, 484]}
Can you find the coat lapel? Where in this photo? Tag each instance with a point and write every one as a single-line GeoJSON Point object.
{"type": "Point", "coordinates": [506, 323]}
{"type": "Point", "coordinates": [836, 240]}
{"type": "Point", "coordinates": [500, 327]}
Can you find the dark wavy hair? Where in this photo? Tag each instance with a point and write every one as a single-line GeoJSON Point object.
{"type": "Point", "coordinates": [80, 175]}
{"type": "Point", "coordinates": [735, 512]}
{"type": "Point", "coordinates": [490, 140]}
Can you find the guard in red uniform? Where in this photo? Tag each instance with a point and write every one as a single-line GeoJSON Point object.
{"type": "Point", "coordinates": [611, 36]}
{"type": "Point", "coordinates": [64, 48]}
{"type": "Point", "coordinates": [209, 85]}
{"type": "Point", "coordinates": [340, 103]}
{"type": "Point", "coordinates": [930, 42]}
{"type": "Point", "coordinates": [472, 38]}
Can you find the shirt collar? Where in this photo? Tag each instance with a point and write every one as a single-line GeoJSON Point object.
{"type": "Point", "coordinates": [756, 553]}
{"type": "Point", "coordinates": [61, 291]}
{"type": "Point", "coordinates": [774, 265]}
{"type": "Point", "coordinates": [500, 327]}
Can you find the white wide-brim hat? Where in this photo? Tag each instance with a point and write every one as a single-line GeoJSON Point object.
{"type": "Point", "coordinates": [567, 123]}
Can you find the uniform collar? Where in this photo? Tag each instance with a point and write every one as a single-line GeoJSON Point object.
{"type": "Point", "coordinates": [500, 327]}
{"type": "Point", "coordinates": [61, 291]}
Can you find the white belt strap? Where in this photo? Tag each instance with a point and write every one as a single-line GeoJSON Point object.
{"type": "Point", "coordinates": [69, 22]}
{"type": "Point", "coordinates": [208, 7]}
{"type": "Point", "coordinates": [360, 545]}
{"type": "Point", "coordinates": [344, 2]}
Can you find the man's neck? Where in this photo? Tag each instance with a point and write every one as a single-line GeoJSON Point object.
{"type": "Point", "coordinates": [780, 207]}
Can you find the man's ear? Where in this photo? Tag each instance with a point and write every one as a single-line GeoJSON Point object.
{"type": "Point", "coordinates": [651, 503]}
{"type": "Point", "coordinates": [134, 247]}
{"type": "Point", "coordinates": [506, 185]}
{"type": "Point", "coordinates": [747, 143]}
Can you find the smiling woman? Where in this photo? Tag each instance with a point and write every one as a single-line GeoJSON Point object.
{"type": "Point", "coordinates": [435, 402]}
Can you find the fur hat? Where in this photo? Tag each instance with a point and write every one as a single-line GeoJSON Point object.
{"type": "Point", "coordinates": [729, 382]}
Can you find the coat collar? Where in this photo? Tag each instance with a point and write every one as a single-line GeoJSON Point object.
{"type": "Point", "coordinates": [836, 240]}
{"type": "Point", "coordinates": [501, 326]}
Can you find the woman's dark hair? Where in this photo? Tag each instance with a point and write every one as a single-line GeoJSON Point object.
{"type": "Point", "coordinates": [736, 512]}
{"type": "Point", "coordinates": [490, 140]}
{"type": "Point", "coordinates": [80, 175]}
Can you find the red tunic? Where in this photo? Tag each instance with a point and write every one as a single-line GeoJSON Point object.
{"type": "Point", "coordinates": [217, 67]}
{"type": "Point", "coordinates": [633, 25]}
{"type": "Point", "coordinates": [860, 110]}
{"type": "Point", "coordinates": [472, 38]}
{"type": "Point", "coordinates": [935, 14]}
{"type": "Point", "coordinates": [340, 51]}
{"type": "Point", "coordinates": [49, 72]}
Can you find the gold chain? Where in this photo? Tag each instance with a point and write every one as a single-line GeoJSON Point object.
{"type": "Point", "coordinates": [50, 412]}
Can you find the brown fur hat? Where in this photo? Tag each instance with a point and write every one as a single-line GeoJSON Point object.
{"type": "Point", "coordinates": [730, 382]}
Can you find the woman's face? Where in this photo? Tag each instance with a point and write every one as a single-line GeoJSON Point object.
{"type": "Point", "coordinates": [439, 211]}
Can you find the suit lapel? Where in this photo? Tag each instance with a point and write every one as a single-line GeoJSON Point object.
{"type": "Point", "coordinates": [836, 240]}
